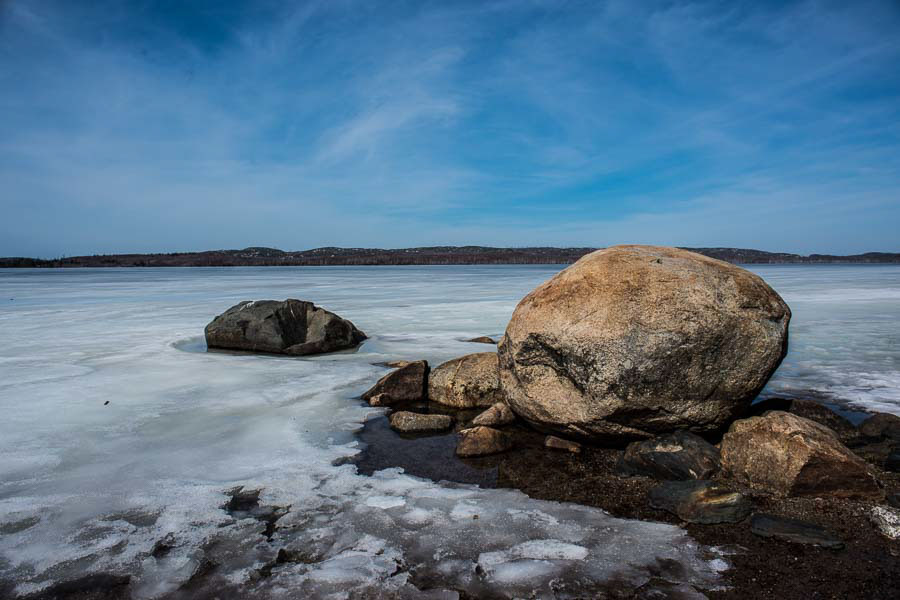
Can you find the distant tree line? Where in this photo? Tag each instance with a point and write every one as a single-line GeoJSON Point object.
{"type": "Point", "coordinates": [436, 255]}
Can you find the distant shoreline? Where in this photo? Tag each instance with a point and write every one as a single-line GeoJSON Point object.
{"type": "Point", "coordinates": [433, 255]}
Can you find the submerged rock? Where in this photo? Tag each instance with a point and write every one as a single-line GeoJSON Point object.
{"type": "Point", "coordinates": [887, 521]}
{"type": "Point", "coordinates": [697, 501]}
{"type": "Point", "coordinates": [497, 415]}
{"type": "Point", "coordinates": [481, 441]}
{"type": "Point", "coordinates": [556, 443]}
{"type": "Point", "coordinates": [794, 531]}
{"type": "Point", "coordinates": [466, 382]}
{"type": "Point", "coordinates": [293, 327]}
{"type": "Point", "coordinates": [406, 384]}
{"type": "Point", "coordinates": [483, 340]}
{"type": "Point", "coordinates": [792, 456]}
{"type": "Point", "coordinates": [632, 341]}
{"type": "Point", "coordinates": [410, 422]}
{"type": "Point", "coordinates": [680, 455]}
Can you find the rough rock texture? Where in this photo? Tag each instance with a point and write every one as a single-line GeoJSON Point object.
{"type": "Point", "coordinates": [881, 426]}
{"type": "Point", "coordinates": [406, 384]}
{"type": "Point", "coordinates": [292, 327]}
{"type": "Point", "coordinates": [812, 410]}
{"type": "Point", "coordinates": [794, 531]}
{"type": "Point", "coordinates": [792, 456]}
{"type": "Point", "coordinates": [680, 455]}
{"type": "Point", "coordinates": [480, 441]}
{"type": "Point", "coordinates": [703, 502]}
{"type": "Point", "coordinates": [632, 341]}
{"type": "Point", "coordinates": [382, 400]}
{"type": "Point", "coordinates": [497, 415]}
{"type": "Point", "coordinates": [887, 521]}
{"type": "Point", "coordinates": [466, 382]}
{"type": "Point", "coordinates": [410, 422]}
{"type": "Point", "coordinates": [483, 340]}
{"type": "Point", "coordinates": [560, 444]}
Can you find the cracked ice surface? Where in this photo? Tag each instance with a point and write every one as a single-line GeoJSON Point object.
{"type": "Point", "coordinates": [136, 487]}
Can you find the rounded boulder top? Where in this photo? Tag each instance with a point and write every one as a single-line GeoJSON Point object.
{"type": "Point", "coordinates": [632, 341]}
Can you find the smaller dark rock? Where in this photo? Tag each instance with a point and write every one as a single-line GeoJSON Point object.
{"type": "Point", "coordinates": [881, 426]}
{"type": "Point", "coordinates": [483, 340]}
{"type": "Point", "coordinates": [679, 455]}
{"type": "Point", "coordinates": [406, 384]}
{"type": "Point", "coordinates": [560, 444]}
{"type": "Point", "coordinates": [697, 501]}
{"type": "Point", "coordinates": [242, 500]}
{"type": "Point", "coordinates": [481, 441]}
{"type": "Point", "coordinates": [105, 403]}
{"type": "Point", "coordinates": [293, 327]}
{"type": "Point", "coordinates": [794, 531]}
{"type": "Point", "coordinates": [410, 422]}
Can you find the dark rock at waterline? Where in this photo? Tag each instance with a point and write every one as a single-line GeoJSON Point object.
{"type": "Point", "coordinates": [794, 531]}
{"type": "Point", "coordinates": [632, 341]}
{"type": "Point", "coordinates": [881, 426]}
{"type": "Point", "coordinates": [293, 327]}
{"type": "Point", "coordinates": [483, 340]}
{"type": "Point", "coordinates": [497, 415]}
{"type": "Point", "coordinates": [791, 456]}
{"type": "Point", "coordinates": [679, 455]}
{"type": "Point", "coordinates": [406, 384]}
{"type": "Point", "coordinates": [244, 503]}
{"type": "Point", "coordinates": [466, 382]}
{"type": "Point", "coordinates": [481, 441]}
{"type": "Point", "coordinates": [698, 501]}
{"type": "Point", "coordinates": [410, 422]}
{"type": "Point", "coordinates": [812, 410]}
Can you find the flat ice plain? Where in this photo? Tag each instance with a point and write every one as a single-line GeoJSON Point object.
{"type": "Point", "coordinates": [89, 487]}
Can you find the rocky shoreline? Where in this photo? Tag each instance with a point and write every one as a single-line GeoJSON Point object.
{"type": "Point", "coordinates": [865, 564]}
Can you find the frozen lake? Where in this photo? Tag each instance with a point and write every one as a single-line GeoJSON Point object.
{"type": "Point", "coordinates": [119, 440]}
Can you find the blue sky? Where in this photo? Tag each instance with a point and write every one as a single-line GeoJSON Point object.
{"type": "Point", "coordinates": [162, 126]}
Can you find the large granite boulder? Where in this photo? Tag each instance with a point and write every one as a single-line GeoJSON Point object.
{"type": "Point", "coordinates": [791, 456]}
{"type": "Point", "coordinates": [292, 327]}
{"type": "Point", "coordinates": [466, 382]}
{"type": "Point", "coordinates": [632, 341]}
{"type": "Point", "coordinates": [406, 384]}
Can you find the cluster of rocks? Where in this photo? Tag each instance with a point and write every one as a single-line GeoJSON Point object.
{"type": "Point", "coordinates": [466, 383]}
{"type": "Point", "coordinates": [658, 348]}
